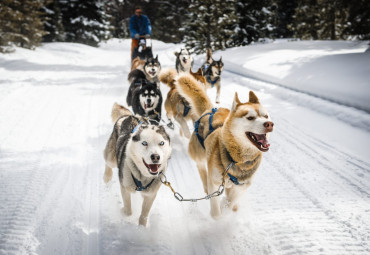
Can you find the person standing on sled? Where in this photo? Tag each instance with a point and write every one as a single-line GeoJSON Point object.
{"type": "Point", "coordinates": [139, 26]}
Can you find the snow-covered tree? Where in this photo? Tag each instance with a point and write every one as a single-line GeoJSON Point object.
{"type": "Point", "coordinates": [210, 25]}
{"type": "Point", "coordinates": [21, 23]}
{"type": "Point", "coordinates": [256, 20]}
{"type": "Point", "coordinates": [54, 22]}
{"type": "Point", "coordinates": [85, 21]}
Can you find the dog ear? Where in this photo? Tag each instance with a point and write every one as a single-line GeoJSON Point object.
{"type": "Point", "coordinates": [253, 99]}
{"type": "Point", "coordinates": [235, 102]}
{"type": "Point", "coordinates": [176, 53]}
{"type": "Point", "coordinates": [220, 59]}
{"type": "Point", "coordinates": [156, 58]}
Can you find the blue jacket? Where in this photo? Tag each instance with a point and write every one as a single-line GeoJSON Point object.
{"type": "Point", "coordinates": [140, 25]}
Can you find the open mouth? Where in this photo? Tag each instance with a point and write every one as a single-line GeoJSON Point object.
{"type": "Point", "coordinates": [260, 141]}
{"type": "Point", "coordinates": [152, 73]}
{"type": "Point", "coordinates": [152, 168]}
{"type": "Point", "coordinates": [146, 106]}
{"type": "Point", "coordinates": [184, 60]}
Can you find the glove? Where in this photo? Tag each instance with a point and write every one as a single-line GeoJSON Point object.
{"type": "Point", "coordinates": [147, 36]}
{"type": "Point", "coordinates": [137, 36]}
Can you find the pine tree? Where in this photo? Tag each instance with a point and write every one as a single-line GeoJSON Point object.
{"type": "Point", "coordinates": [210, 25]}
{"type": "Point", "coordinates": [54, 22]}
{"type": "Point", "coordinates": [358, 19]}
{"type": "Point", "coordinates": [306, 20]}
{"type": "Point", "coordinates": [284, 17]}
{"type": "Point", "coordinates": [21, 23]}
{"type": "Point", "coordinates": [85, 21]}
{"type": "Point", "coordinates": [255, 21]}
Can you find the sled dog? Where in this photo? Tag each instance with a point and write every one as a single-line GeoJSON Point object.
{"type": "Point", "coordinates": [212, 71]}
{"type": "Point", "coordinates": [145, 98]}
{"type": "Point", "coordinates": [236, 136]}
{"type": "Point", "coordinates": [184, 61]}
{"type": "Point", "coordinates": [141, 151]}
{"type": "Point", "coordinates": [175, 105]}
{"type": "Point", "coordinates": [151, 69]}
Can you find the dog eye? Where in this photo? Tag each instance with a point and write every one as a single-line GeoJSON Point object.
{"type": "Point", "coordinates": [144, 143]}
{"type": "Point", "coordinates": [250, 118]}
{"type": "Point", "coordinates": [161, 143]}
{"type": "Point", "coordinates": [266, 116]}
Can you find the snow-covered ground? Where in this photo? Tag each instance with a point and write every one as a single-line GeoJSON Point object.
{"type": "Point", "coordinates": [311, 194]}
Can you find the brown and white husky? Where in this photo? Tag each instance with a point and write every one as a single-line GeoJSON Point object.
{"type": "Point", "coordinates": [238, 135]}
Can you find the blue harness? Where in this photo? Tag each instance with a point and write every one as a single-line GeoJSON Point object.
{"type": "Point", "coordinates": [137, 127]}
{"type": "Point", "coordinates": [212, 82]}
{"type": "Point", "coordinates": [211, 129]}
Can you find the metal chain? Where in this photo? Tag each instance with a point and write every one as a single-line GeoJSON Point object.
{"type": "Point", "coordinates": [162, 177]}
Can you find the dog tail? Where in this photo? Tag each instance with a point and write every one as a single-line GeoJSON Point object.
{"type": "Point", "coordinates": [119, 111]}
{"type": "Point", "coordinates": [136, 74]}
{"type": "Point", "coordinates": [168, 76]}
{"type": "Point", "coordinates": [195, 93]}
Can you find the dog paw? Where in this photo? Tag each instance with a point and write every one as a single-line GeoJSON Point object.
{"type": "Point", "coordinates": [217, 101]}
{"type": "Point", "coordinates": [143, 221]}
{"type": "Point", "coordinates": [235, 208]}
{"type": "Point", "coordinates": [216, 215]}
{"type": "Point", "coordinates": [126, 211]}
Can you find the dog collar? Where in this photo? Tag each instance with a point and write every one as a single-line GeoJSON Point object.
{"type": "Point", "coordinates": [139, 185]}
{"type": "Point", "coordinates": [209, 80]}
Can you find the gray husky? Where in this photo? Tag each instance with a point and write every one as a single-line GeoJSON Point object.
{"type": "Point", "coordinates": [141, 151]}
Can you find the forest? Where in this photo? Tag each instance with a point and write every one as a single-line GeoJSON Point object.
{"type": "Point", "coordinates": [216, 24]}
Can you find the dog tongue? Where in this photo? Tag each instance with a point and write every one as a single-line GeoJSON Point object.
{"type": "Point", "coordinates": [262, 139]}
{"type": "Point", "coordinates": [154, 167]}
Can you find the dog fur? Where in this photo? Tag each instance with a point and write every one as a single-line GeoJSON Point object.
{"type": "Point", "coordinates": [151, 68]}
{"type": "Point", "coordinates": [184, 61]}
{"type": "Point", "coordinates": [145, 97]}
{"type": "Point", "coordinates": [175, 105]}
{"type": "Point", "coordinates": [138, 63]}
{"type": "Point", "coordinates": [231, 140]}
{"type": "Point", "coordinates": [142, 154]}
{"type": "Point", "coordinates": [212, 71]}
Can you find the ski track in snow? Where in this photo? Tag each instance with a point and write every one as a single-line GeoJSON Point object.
{"type": "Point", "coordinates": [308, 197]}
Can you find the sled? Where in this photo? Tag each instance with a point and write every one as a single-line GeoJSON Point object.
{"type": "Point", "coordinates": [144, 50]}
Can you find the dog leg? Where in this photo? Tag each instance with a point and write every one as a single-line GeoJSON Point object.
{"type": "Point", "coordinates": [203, 175]}
{"type": "Point", "coordinates": [107, 174]}
{"type": "Point", "coordinates": [147, 205]}
{"type": "Point", "coordinates": [184, 127]}
{"type": "Point", "coordinates": [233, 194]}
{"type": "Point", "coordinates": [215, 201]}
{"type": "Point", "coordinates": [218, 87]}
{"type": "Point", "coordinates": [126, 197]}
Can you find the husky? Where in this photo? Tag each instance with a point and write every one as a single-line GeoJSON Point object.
{"type": "Point", "coordinates": [184, 61]}
{"type": "Point", "coordinates": [141, 151]}
{"type": "Point", "coordinates": [145, 98]}
{"type": "Point", "coordinates": [212, 70]}
{"type": "Point", "coordinates": [151, 69]}
{"type": "Point", "coordinates": [222, 137]}
{"type": "Point", "coordinates": [175, 105]}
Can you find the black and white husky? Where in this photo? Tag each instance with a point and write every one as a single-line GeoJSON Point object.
{"type": "Point", "coordinates": [145, 97]}
{"type": "Point", "coordinates": [151, 69]}
{"type": "Point", "coordinates": [184, 61]}
{"type": "Point", "coordinates": [141, 151]}
{"type": "Point", "coordinates": [212, 71]}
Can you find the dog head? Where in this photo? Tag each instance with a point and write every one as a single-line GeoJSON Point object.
{"type": "Point", "coordinates": [150, 149]}
{"type": "Point", "coordinates": [152, 67]}
{"type": "Point", "coordinates": [184, 58]}
{"type": "Point", "coordinates": [216, 67]}
{"type": "Point", "coordinates": [149, 96]}
{"type": "Point", "coordinates": [250, 123]}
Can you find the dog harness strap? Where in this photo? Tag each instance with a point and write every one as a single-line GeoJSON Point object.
{"type": "Point", "coordinates": [137, 127]}
{"type": "Point", "coordinates": [233, 179]}
{"type": "Point", "coordinates": [139, 185]}
{"type": "Point", "coordinates": [211, 129]}
{"type": "Point", "coordinates": [209, 80]}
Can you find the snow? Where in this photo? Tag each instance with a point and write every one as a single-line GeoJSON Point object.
{"type": "Point", "coordinates": [311, 194]}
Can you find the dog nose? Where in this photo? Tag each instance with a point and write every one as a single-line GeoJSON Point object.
{"type": "Point", "coordinates": [148, 101]}
{"type": "Point", "coordinates": [269, 125]}
{"type": "Point", "coordinates": [155, 158]}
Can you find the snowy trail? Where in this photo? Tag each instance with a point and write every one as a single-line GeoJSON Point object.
{"type": "Point", "coordinates": [311, 194]}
